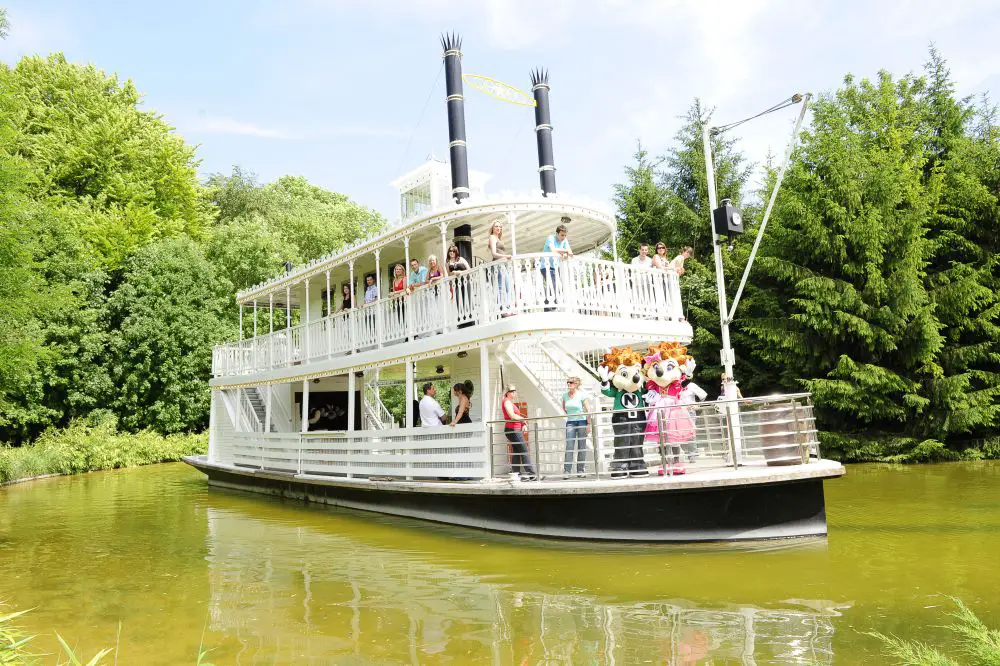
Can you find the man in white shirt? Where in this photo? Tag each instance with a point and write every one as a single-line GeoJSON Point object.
{"type": "Point", "coordinates": [643, 259]}
{"type": "Point", "coordinates": [431, 413]}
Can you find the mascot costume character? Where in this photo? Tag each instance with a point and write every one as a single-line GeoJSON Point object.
{"type": "Point", "coordinates": [621, 379]}
{"type": "Point", "coordinates": [666, 366]}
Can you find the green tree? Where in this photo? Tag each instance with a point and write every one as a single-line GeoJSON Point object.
{"type": "Point", "coordinates": [87, 144]}
{"type": "Point", "coordinates": [164, 319]}
{"type": "Point", "coordinates": [846, 259]}
{"type": "Point", "coordinates": [962, 264]}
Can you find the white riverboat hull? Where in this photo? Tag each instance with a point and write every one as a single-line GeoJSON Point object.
{"type": "Point", "coordinates": [747, 503]}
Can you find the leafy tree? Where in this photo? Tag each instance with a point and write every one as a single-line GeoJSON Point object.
{"type": "Point", "coordinates": [87, 144]}
{"type": "Point", "coordinates": [164, 319]}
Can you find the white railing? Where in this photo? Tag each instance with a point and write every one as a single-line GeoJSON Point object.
{"type": "Point", "coordinates": [532, 283]}
{"type": "Point", "coordinates": [663, 440]}
{"type": "Point", "coordinates": [378, 411]}
{"type": "Point", "coordinates": [449, 452]}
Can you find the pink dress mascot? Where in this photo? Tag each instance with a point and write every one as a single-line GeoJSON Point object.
{"type": "Point", "coordinates": [664, 398]}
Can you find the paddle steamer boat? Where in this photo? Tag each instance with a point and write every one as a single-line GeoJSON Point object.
{"type": "Point", "coordinates": [301, 407]}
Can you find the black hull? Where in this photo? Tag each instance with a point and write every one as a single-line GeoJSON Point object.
{"type": "Point", "coordinates": [744, 511]}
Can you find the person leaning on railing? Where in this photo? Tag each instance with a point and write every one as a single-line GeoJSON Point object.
{"type": "Point", "coordinates": [458, 266]}
{"type": "Point", "coordinates": [514, 428]}
{"type": "Point", "coordinates": [557, 247]}
{"type": "Point", "coordinates": [498, 252]}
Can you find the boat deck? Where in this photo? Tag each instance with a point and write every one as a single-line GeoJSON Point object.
{"type": "Point", "coordinates": [698, 476]}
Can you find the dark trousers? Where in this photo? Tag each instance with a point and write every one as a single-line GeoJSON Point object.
{"type": "Point", "coordinates": [549, 282]}
{"type": "Point", "coordinates": [520, 461]}
{"type": "Point", "coordinates": [629, 433]}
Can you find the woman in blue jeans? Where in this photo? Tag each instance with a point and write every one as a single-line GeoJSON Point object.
{"type": "Point", "coordinates": [577, 426]}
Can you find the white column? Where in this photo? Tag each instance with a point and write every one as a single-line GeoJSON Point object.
{"type": "Point", "coordinates": [255, 334]}
{"type": "Point", "coordinates": [351, 401]}
{"type": "Point", "coordinates": [407, 302]}
{"type": "Point", "coordinates": [241, 321]}
{"type": "Point", "coordinates": [484, 382]}
{"type": "Point", "coordinates": [351, 316]}
{"type": "Point", "coordinates": [329, 317]}
{"type": "Point", "coordinates": [443, 292]}
{"type": "Point", "coordinates": [288, 307]}
{"type": "Point", "coordinates": [409, 395]}
{"type": "Point", "coordinates": [267, 410]}
{"type": "Point", "coordinates": [515, 269]}
{"type": "Point", "coordinates": [305, 405]}
{"type": "Point", "coordinates": [305, 328]}
{"type": "Point", "coordinates": [270, 330]}
{"type": "Point", "coordinates": [378, 287]}
{"type": "Point", "coordinates": [409, 409]}
{"type": "Point", "coordinates": [213, 428]}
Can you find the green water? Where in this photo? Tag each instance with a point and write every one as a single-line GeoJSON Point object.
{"type": "Point", "coordinates": [262, 581]}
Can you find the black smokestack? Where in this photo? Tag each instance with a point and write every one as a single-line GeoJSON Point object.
{"type": "Point", "coordinates": [543, 131]}
{"type": "Point", "coordinates": [452, 45]}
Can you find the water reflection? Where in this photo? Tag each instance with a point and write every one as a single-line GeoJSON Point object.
{"type": "Point", "coordinates": [287, 592]}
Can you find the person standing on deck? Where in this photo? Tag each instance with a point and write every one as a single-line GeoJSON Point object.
{"type": "Point", "coordinates": [513, 428]}
{"type": "Point", "coordinates": [678, 262]}
{"type": "Point", "coordinates": [371, 290]}
{"type": "Point", "coordinates": [418, 275]}
{"type": "Point", "coordinates": [575, 406]}
{"type": "Point", "coordinates": [643, 260]}
{"type": "Point", "coordinates": [498, 252]}
{"type": "Point", "coordinates": [556, 248]}
{"type": "Point", "coordinates": [431, 413]}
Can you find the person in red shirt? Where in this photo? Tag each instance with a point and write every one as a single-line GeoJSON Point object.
{"type": "Point", "coordinates": [513, 428]}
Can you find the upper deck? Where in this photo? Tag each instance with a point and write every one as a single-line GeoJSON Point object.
{"type": "Point", "coordinates": [300, 318]}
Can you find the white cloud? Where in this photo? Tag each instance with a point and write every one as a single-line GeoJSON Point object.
{"type": "Point", "coordinates": [223, 125]}
{"type": "Point", "coordinates": [211, 124]}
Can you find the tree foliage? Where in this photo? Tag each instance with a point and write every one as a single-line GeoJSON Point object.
{"type": "Point", "coordinates": [876, 284]}
{"type": "Point", "coordinates": [117, 267]}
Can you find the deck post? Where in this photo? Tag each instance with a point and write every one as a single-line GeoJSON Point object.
{"type": "Point", "coordinates": [305, 405]}
{"type": "Point", "coordinates": [267, 410]}
{"type": "Point", "coordinates": [351, 401]}
{"type": "Point", "coordinates": [407, 299]}
{"type": "Point", "coordinates": [241, 321]}
{"type": "Point", "coordinates": [305, 328]}
{"type": "Point", "coordinates": [270, 331]}
{"type": "Point", "coordinates": [350, 316]}
{"type": "Point", "coordinates": [484, 397]}
{"type": "Point", "coordinates": [329, 317]}
{"type": "Point", "coordinates": [515, 268]}
{"type": "Point", "coordinates": [409, 415]}
{"type": "Point", "coordinates": [288, 307]}
{"type": "Point", "coordinates": [255, 334]}
{"type": "Point", "coordinates": [443, 267]}
{"type": "Point", "coordinates": [378, 299]}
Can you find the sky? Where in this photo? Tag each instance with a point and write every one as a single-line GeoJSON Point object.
{"type": "Point", "coordinates": [350, 94]}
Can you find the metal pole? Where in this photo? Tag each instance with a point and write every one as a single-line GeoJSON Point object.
{"type": "Point", "coordinates": [534, 440]}
{"type": "Point", "coordinates": [595, 443]}
{"type": "Point", "coordinates": [728, 380]}
{"type": "Point", "coordinates": [241, 321]}
{"type": "Point", "coordinates": [669, 471]}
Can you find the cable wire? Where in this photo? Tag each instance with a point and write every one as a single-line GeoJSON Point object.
{"type": "Point", "coordinates": [783, 104]}
{"type": "Point", "coordinates": [420, 119]}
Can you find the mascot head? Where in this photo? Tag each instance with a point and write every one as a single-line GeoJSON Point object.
{"type": "Point", "coordinates": [666, 363]}
{"type": "Point", "coordinates": [625, 366]}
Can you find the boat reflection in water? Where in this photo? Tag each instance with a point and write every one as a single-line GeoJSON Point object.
{"type": "Point", "coordinates": [288, 593]}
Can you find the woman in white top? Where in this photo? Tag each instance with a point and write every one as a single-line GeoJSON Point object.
{"type": "Point", "coordinates": [498, 252]}
{"type": "Point", "coordinates": [660, 258]}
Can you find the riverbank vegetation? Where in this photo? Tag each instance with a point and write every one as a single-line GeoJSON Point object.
{"type": "Point", "coordinates": [86, 446]}
{"type": "Point", "coordinates": [978, 644]}
{"type": "Point", "coordinates": [876, 284]}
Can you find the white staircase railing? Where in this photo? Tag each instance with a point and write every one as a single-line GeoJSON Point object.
{"type": "Point", "coordinates": [376, 413]}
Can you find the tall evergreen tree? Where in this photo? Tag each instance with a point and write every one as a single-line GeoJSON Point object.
{"type": "Point", "coordinates": [847, 256]}
{"type": "Point", "coordinates": [962, 263]}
